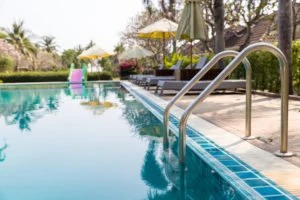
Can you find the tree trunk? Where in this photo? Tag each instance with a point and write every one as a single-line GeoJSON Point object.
{"type": "Point", "coordinates": [285, 34]}
{"type": "Point", "coordinates": [219, 26]}
{"type": "Point", "coordinates": [247, 40]}
{"type": "Point", "coordinates": [294, 18]}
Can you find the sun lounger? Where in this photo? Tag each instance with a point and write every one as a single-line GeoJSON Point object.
{"type": "Point", "coordinates": [201, 63]}
{"type": "Point", "coordinates": [170, 71]}
{"type": "Point", "coordinates": [201, 85]}
{"type": "Point", "coordinates": [164, 74]}
{"type": "Point", "coordinates": [177, 65]}
{"type": "Point", "coordinates": [141, 79]}
{"type": "Point", "coordinates": [154, 80]}
{"type": "Point", "coordinates": [189, 66]}
{"type": "Point", "coordinates": [138, 79]}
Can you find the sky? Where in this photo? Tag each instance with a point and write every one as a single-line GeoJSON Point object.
{"type": "Point", "coordinates": [72, 22]}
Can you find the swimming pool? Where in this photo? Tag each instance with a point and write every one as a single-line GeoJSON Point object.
{"type": "Point", "coordinates": [93, 142]}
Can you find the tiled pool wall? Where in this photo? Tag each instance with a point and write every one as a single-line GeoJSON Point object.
{"type": "Point", "coordinates": [248, 181]}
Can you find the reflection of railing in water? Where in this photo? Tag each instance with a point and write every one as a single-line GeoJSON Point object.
{"type": "Point", "coordinates": [2, 152]}
{"type": "Point", "coordinates": [195, 179]}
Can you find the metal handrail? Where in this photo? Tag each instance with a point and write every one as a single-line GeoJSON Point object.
{"type": "Point", "coordinates": [214, 84]}
{"type": "Point", "coordinates": [197, 77]}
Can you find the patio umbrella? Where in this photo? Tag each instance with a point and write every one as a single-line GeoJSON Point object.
{"type": "Point", "coordinates": [136, 52]}
{"type": "Point", "coordinates": [192, 25]}
{"type": "Point", "coordinates": [162, 29]}
{"type": "Point", "coordinates": [95, 52]}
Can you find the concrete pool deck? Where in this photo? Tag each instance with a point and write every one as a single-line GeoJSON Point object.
{"type": "Point", "coordinates": [221, 118]}
{"type": "Point", "coordinates": [227, 111]}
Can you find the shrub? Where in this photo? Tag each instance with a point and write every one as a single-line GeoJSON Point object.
{"type": "Point", "coordinates": [60, 76]}
{"type": "Point", "coordinates": [6, 63]}
{"type": "Point", "coordinates": [186, 60]}
{"type": "Point", "coordinates": [103, 76]}
{"type": "Point", "coordinates": [296, 67]}
{"type": "Point", "coordinates": [127, 67]}
{"type": "Point", "coordinates": [265, 70]}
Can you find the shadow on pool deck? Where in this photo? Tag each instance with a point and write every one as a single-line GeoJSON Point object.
{"type": "Point", "coordinates": [228, 112]}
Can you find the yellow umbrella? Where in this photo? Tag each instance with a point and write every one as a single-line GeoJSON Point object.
{"type": "Point", "coordinates": [95, 52]}
{"type": "Point", "coordinates": [162, 29]}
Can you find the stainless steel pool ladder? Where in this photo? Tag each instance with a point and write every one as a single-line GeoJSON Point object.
{"type": "Point", "coordinates": [217, 81]}
{"type": "Point", "coordinates": [197, 77]}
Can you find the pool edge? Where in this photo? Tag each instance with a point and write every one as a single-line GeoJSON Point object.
{"type": "Point", "coordinates": [193, 122]}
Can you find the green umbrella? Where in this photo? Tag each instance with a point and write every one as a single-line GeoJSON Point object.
{"type": "Point", "coordinates": [192, 25]}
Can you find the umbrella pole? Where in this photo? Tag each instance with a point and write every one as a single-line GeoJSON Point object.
{"type": "Point", "coordinates": [191, 40]}
{"type": "Point", "coordinates": [137, 65]}
{"type": "Point", "coordinates": [163, 50]}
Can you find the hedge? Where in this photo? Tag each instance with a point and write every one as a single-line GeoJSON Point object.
{"type": "Point", "coordinates": [62, 76]}
{"type": "Point", "coordinates": [265, 69]}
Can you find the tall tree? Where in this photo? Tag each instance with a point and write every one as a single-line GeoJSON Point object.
{"type": "Point", "coordinates": [285, 34]}
{"type": "Point", "coordinates": [119, 48]}
{"type": "Point", "coordinates": [296, 17]}
{"type": "Point", "coordinates": [219, 25]}
{"type": "Point", "coordinates": [168, 8]}
{"type": "Point", "coordinates": [90, 44]}
{"type": "Point", "coordinates": [48, 44]}
{"type": "Point", "coordinates": [17, 37]}
{"type": "Point", "coordinates": [237, 12]}
{"type": "Point", "coordinates": [141, 20]}
{"type": "Point", "coordinates": [70, 56]}
{"type": "Point", "coordinates": [249, 12]}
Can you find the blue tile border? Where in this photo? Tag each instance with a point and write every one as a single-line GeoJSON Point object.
{"type": "Point", "coordinates": [227, 165]}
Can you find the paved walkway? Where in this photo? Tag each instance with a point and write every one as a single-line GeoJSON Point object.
{"type": "Point", "coordinates": [228, 112]}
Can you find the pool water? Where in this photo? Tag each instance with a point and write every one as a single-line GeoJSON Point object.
{"type": "Point", "coordinates": [93, 142]}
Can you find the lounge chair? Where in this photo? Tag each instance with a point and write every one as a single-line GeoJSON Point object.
{"type": "Point", "coordinates": [140, 79]}
{"type": "Point", "coordinates": [177, 65]}
{"type": "Point", "coordinates": [189, 66]}
{"type": "Point", "coordinates": [150, 81]}
{"type": "Point", "coordinates": [137, 79]}
{"type": "Point", "coordinates": [201, 63]}
{"type": "Point", "coordinates": [201, 85]}
{"type": "Point", "coordinates": [189, 72]}
{"type": "Point", "coordinates": [170, 71]}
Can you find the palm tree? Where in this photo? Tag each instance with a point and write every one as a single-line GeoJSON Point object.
{"type": "Point", "coordinates": [285, 34]}
{"type": "Point", "coordinates": [48, 44]}
{"type": "Point", "coordinates": [17, 37]}
{"type": "Point", "coordinates": [119, 48]}
{"type": "Point", "coordinates": [90, 44]}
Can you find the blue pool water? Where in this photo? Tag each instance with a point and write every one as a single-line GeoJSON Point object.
{"type": "Point", "coordinates": [59, 143]}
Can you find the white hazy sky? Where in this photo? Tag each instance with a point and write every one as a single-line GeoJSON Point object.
{"type": "Point", "coordinates": [72, 22]}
